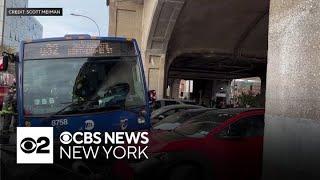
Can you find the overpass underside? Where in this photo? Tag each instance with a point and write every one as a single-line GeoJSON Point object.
{"type": "Point", "coordinates": [213, 67]}
{"type": "Point", "coordinates": [219, 40]}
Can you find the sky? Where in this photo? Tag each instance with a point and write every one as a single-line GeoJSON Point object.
{"type": "Point", "coordinates": [57, 26]}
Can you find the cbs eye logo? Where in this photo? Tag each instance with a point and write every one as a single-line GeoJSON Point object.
{"type": "Point", "coordinates": [29, 145]}
{"type": "Point", "coordinates": [65, 137]}
{"type": "Point", "coordinates": [35, 145]}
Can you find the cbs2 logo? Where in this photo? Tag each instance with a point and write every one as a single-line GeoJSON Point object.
{"type": "Point", "coordinates": [29, 145]}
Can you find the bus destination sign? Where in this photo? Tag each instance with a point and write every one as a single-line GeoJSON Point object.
{"type": "Point", "coordinates": [77, 48]}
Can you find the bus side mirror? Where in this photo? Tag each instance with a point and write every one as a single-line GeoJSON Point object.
{"type": "Point", "coordinates": [4, 62]}
{"type": "Point", "coordinates": [152, 95]}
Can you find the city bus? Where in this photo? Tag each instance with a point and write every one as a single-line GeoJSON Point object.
{"type": "Point", "coordinates": [82, 83]}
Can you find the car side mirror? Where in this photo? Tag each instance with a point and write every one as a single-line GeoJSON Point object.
{"type": "Point", "coordinates": [4, 63]}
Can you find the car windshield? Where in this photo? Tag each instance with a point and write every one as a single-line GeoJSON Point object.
{"type": "Point", "coordinates": [196, 129]}
{"type": "Point", "coordinates": [213, 116]}
{"type": "Point", "coordinates": [52, 85]}
{"type": "Point", "coordinates": [171, 121]}
{"type": "Point", "coordinates": [174, 118]}
{"type": "Point", "coordinates": [173, 107]}
{"type": "Point", "coordinates": [201, 125]}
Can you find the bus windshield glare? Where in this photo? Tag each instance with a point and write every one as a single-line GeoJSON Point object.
{"type": "Point", "coordinates": [84, 80]}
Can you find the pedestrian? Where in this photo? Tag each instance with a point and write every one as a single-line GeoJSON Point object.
{"type": "Point", "coordinates": [9, 109]}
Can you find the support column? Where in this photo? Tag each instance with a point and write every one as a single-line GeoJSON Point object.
{"type": "Point", "coordinates": [263, 87]}
{"type": "Point", "coordinates": [125, 19]}
{"type": "Point", "coordinates": [175, 89]}
{"type": "Point", "coordinates": [292, 131]}
{"type": "Point", "coordinates": [154, 70]}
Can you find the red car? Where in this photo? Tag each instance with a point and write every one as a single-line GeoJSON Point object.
{"type": "Point", "coordinates": [219, 144]}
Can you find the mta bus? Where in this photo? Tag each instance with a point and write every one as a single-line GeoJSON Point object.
{"type": "Point", "coordinates": [82, 83]}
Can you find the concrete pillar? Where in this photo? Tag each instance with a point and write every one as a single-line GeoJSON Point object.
{"type": "Point", "coordinates": [175, 89]}
{"type": "Point", "coordinates": [154, 70]}
{"type": "Point", "coordinates": [220, 86]}
{"type": "Point", "coordinates": [263, 87]}
{"type": "Point", "coordinates": [125, 19]}
{"type": "Point", "coordinates": [292, 131]}
{"type": "Point", "coordinates": [132, 19]}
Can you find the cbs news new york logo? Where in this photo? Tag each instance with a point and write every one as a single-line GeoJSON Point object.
{"type": "Point", "coordinates": [35, 145]}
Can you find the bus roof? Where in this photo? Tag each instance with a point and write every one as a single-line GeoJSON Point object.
{"type": "Point", "coordinates": [78, 37]}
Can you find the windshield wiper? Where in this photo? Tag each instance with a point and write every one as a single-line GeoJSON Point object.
{"type": "Point", "coordinates": [80, 104]}
{"type": "Point", "coordinates": [75, 103]}
{"type": "Point", "coordinates": [62, 110]}
{"type": "Point", "coordinates": [109, 107]}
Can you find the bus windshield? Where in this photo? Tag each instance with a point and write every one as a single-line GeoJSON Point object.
{"type": "Point", "coordinates": [81, 76]}
{"type": "Point", "coordinates": [87, 84]}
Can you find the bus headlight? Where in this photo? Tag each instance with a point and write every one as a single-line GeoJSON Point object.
{"type": "Point", "coordinates": [141, 120]}
{"type": "Point", "coordinates": [27, 124]}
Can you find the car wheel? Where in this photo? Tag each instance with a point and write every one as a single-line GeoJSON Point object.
{"type": "Point", "coordinates": [184, 172]}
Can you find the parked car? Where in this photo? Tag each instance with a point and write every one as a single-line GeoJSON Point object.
{"type": "Point", "coordinates": [173, 121]}
{"type": "Point", "coordinates": [160, 114]}
{"type": "Point", "coordinates": [189, 102]}
{"type": "Point", "coordinates": [227, 145]}
{"type": "Point", "coordinates": [167, 102]}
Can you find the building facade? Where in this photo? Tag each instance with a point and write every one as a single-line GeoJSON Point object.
{"type": "Point", "coordinates": [15, 29]}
